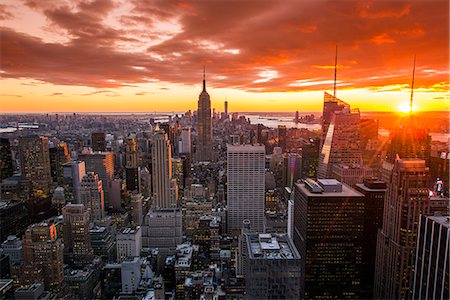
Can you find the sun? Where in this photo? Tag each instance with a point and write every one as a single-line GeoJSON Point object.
{"type": "Point", "coordinates": [406, 108]}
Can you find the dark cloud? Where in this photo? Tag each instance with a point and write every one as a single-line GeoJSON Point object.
{"type": "Point", "coordinates": [256, 46]}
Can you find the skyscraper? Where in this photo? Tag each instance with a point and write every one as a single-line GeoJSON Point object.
{"type": "Point", "coordinates": [59, 155]}
{"type": "Point", "coordinates": [342, 143]}
{"type": "Point", "coordinates": [131, 165]}
{"type": "Point", "coordinates": [331, 104]}
{"type": "Point", "coordinates": [273, 267]}
{"type": "Point", "coordinates": [204, 125]}
{"type": "Point", "coordinates": [91, 195]}
{"type": "Point", "coordinates": [225, 108]}
{"type": "Point", "coordinates": [374, 191]}
{"type": "Point", "coordinates": [73, 173]}
{"type": "Point", "coordinates": [186, 141]}
{"type": "Point", "coordinates": [43, 250]}
{"type": "Point", "coordinates": [77, 242]}
{"type": "Point", "coordinates": [431, 269]}
{"type": "Point", "coordinates": [246, 186]}
{"type": "Point", "coordinates": [98, 141]}
{"type": "Point", "coordinates": [328, 233]}
{"type": "Point", "coordinates": [410, 140]}
{"type": "Point", "coordinates": [101, 163]}
{"type": "Point", "coordinates": [35, 161]}
{"type": "Point", "coordinates": [6, 166]}
{"type": "Point", "coordinates": [162, 171]}
{"type": "Point", "coordinates": [282, 136]}
{"type": "Point", "coordinates": [407, 197]}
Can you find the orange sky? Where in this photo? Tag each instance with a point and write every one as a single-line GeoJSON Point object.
{"type": "Point", "coordinates": [123, 56]}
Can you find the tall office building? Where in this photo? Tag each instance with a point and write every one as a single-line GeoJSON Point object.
{"type": "Point", "coordinates": [186, 146]}
{"type": "Point", "coordinates": [410, 140]}
{"type": "Point", "coordinates": [92, 196]}
{"type": "Point", "coordinates": [162, 171]}
{"type": "Point", "coordinates": [131, 165]}
{"type": "Point", "coordinates": [43, 250]}
{"type": "Point", "coordinates": [431, 279]}
{"type": "Point", "coordinates": [101, 163]}
{"type": "Point", "coordinates": [59, 155]}
{"type": "Point", "coordinates": [225, 109]}
{"type": "Point", "coordinates": [246, 186]}
{"type": "Point", "coordinates": [73, 173]}
{"type": "Point", "coordinates": [35, 162]}
{"type": "Point", "coordinates": [129, 243]}
{"type": "Point", "coordinates": [331, 104]}
{"type": "Point", "coordinates": [342, 143]}
{"type": "Point", "coordinates": [282, 137]}
{"type": "Point", "coordinates": [6, 165]}
{"type": "Point", "coordinates": [163, 229]}
{"type": "Point", "coordinates": [407, 197]}
{"type": "Point", "coordinates": [273, 267]}
{"type": "Point", "coordinates": [204, 126]}
{"type": "Point", "coordinates": [98, 141]}
{"type": "Point", "coordinates": [310, 155]}
{"type": "Point", "coordinates": [136, 209]}
{"type": "Point", "coordinates": [77, 242]}
{"type": "Point", "coordinates": [328, 233]}
{"type": "Point", "coordinates": [374, 191]}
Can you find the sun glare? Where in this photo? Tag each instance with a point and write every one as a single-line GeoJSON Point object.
{"type": "Point", "coordinates": [405, 107]}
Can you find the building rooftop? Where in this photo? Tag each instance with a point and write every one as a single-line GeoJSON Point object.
{"type": "Point", "coordinates": [442, 220]}
{"type": "Point", "coordinates": [327, 188]}
{"type": "Point", "coordinates": [271, 246]}
{"type": "Point", "coordinates": [246, 148]}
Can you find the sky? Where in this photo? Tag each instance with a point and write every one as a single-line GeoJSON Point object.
{"type": "Point", "coordinates": [148, 55]}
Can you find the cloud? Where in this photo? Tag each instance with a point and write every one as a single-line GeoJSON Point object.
{"type": "Point", "coordinates": [258, 48]}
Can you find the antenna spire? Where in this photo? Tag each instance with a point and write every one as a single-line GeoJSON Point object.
{"type": "Point", "coordinates": [412, 88]}
{"type": "Point", "coordinates": [204, 80]}
{"type": "Point", "coordinates": [335, 71]}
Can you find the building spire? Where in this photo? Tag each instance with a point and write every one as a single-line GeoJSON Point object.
{"type": "Point", "coordinates": [335, 71]}
{"type": "Point", "coordinates": [204, 81]}
{"type": "Point", "coordinates": [412, 88]}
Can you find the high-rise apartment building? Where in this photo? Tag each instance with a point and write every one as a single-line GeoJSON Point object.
{"type": "Point", "coordinates": [204, 126]}
{"type": "Point", "coordinates": [131, 165]}
{"type": "Point", "coordinates": [101, 163]}
{"type": "Point", "coordinates": [329, 235]}
{"type": "Point", "coordinates": [162, 171]}
{"type": "Point", "coordinates": [246, 186]}
{"type": "Point", "coordinates": [35, 161]}
{"type": "Point", "coordinates": [341, 144]}
{"type": "Point", "coordinates": [98, 141]}
{"type": "Point", "coordinates": [431, 279]}
{"type": "Point", "coordinates": [92, 196]}
{"type": "Point", "coordinates": [77, 242]}
{"type": "Point", "coordinates": [273, 267]}
{"type": "Point", "coordinates": [43, 250]}
{"type": "Point", "coordinates": [407, 197]}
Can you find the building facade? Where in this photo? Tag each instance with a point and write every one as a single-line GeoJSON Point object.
{"type": "Point", "coordinates": [328, 232]}
{"type": "Point", "coordinates": [246, 186]}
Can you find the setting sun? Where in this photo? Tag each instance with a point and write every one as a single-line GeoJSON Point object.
{"type": "Point", "coordinates": [406, 108]}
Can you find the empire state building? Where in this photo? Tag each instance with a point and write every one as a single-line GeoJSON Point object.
{"type": "Point", "coordinates": [204, 126]}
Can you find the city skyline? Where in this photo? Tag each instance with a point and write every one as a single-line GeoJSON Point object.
{"type": "Point", "coordinates": [113, 56]}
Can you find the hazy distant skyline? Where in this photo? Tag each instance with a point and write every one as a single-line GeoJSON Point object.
{"type": "Point", "coordinates": [145, 56]}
